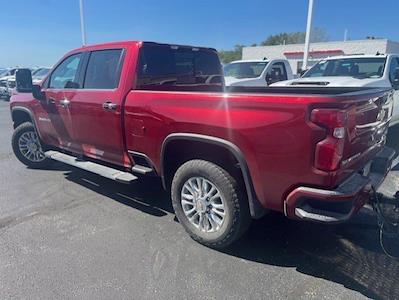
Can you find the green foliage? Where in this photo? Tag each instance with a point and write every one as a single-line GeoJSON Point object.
{"type": "Point", "coordinates": [231, 55]}
{"type": "Point", "coordinates": [317, 35]}
{"type": "Point", "coordinates": [284, 38]}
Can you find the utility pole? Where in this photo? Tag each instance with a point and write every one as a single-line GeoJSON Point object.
{"type": "Point", "coordinates": [82, 23]}
{"type": "Point", "coordinates": [307, 37]}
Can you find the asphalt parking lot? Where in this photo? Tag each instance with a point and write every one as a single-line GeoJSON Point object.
{"type": "Point", "coordinates": [65, 233]}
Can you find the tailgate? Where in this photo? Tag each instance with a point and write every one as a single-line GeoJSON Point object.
{"type": "Point", "coordinates": [368, 120]}
{"type": "Point", "coordinates": [355, 131]}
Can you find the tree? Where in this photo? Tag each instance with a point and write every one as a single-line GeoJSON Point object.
{"type": "Point", "coordinates": [284, 38]}
{"type": "Point", "coordinates": [317, 35]}
{"type": "Point", "coordinates": [230, 55]}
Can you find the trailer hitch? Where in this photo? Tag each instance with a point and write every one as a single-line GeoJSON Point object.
{"type": "Point", "coordinates": [387, 211]}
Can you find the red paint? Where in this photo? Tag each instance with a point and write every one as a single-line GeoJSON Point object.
{"type": "Point", "coordinates": [316, 52]}
{"type": "Point", "coordinates": [273, 131]}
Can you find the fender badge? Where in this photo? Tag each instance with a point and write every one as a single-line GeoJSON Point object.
{"type": "Point", "coordinates": [44, 119]}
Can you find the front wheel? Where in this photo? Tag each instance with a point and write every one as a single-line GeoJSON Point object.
{"type": "Point", "coordinates": [209, 203]}
{"type": "Point", "coordinates": [27, 148]}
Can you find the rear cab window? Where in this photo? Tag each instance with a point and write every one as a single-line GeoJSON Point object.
{"type": "Point", "coordinates": [165, 67]}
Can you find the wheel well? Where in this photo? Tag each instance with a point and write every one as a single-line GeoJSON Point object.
{"type": "Point", "coordinates": [19, 117]}
{"type": "Point", "coordinates": [177, 152]}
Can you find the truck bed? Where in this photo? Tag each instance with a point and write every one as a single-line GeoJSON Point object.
{"type": "Point", "coordinates": [272, 127]}
{"type": "Point", "coordinates": [305, 90]}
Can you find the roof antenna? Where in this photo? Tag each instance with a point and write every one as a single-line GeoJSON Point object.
{"type": "Point", "coordinates": [265, 58]}
{"type": "Point", "coordinates": [378, 53]}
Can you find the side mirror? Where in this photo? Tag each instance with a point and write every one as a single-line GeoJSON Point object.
{"type": "Point", "coordinates": [302, 72]}
{"type": "Point", "coordinates": [23, 81]}
{"type": "Point", "coordinates": [38, 93]}
{"type": "Point", "coordinates": [71, 85]}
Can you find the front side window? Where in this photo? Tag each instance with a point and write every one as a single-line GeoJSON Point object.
{"type": "Point", "coordinates": [394, 70]}
{"type": "Point", "coordinates": [367, 67]}
{"type": "Point", "coordinates": [103, 69]}
{"type": "Point", "coordinates": [276, 73]}
{"type": "Point", "coordinates": [241, 70]}
{"type": "Point", "coordinates": [163, 67]}
{"type": "Point", "coordinates": [65, 75]}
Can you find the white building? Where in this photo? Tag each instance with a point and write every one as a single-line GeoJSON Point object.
{"type": "Point", "coordinates": [294, 52]}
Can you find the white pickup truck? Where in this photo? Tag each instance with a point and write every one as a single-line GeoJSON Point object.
{"type": "Point", "coordinates": [354, 71]}
{"type": "Point", "coordinates": [5, 76]}
{"type": "Point", "coordinates": [259, 73]}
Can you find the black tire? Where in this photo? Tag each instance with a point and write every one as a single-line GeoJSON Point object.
{"type": "Point", "coordinates": [237, 217]}
{"type": "Point", "coordinates": [27, 127]}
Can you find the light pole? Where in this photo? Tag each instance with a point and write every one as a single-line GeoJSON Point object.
{"type": "Point", "coordinates": [307, 37]}
{"type": "Point", "coordinates": [82, 23]}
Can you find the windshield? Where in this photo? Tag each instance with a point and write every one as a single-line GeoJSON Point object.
{"type": "Point", "coordinates": [354, 67]}
{"type": "Point", "coordinates": [3, 73]}
{"type": "Point", "coordinates": [244, 69]}
{"type": "Point", "coordinates": [41, 72]}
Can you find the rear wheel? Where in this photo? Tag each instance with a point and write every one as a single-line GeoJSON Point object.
{"type": "Point", "coordinates": [209, 204]}
{"type": "Point", "coordinates": [27, 148]}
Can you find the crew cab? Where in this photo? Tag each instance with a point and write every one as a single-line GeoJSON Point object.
{"type": "Point", "coordinates": [127, 110]}
{"type": "Point", "coordinates": [381, 71]}
{"type": "Point", "coordinates": [260, 73]}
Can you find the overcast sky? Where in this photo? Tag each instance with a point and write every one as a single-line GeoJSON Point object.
{"type": "Point", "coordinates": [39, 32]}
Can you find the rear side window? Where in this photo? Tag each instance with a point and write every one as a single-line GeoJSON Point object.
{"type": "Point", "coordinates": [163, 67]}
{"type": "Point", "coordinates": [103, 69]}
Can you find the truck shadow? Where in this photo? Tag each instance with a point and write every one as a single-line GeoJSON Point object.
{"type": "Point", "coordinates": [146, 195]}
{"type": "Point", "coordinates": [348, 254]}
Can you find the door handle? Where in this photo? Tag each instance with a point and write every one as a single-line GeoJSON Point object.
{"type": "Point", "coordinates": [108, 105]}
{"type": "Point", "coordinates": [65, 102]}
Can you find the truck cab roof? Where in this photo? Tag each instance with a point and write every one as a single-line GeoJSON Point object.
{"type": "Point", "coordinates": [129, 44]}
{"type": "Point", "coordinates": [249, 61]}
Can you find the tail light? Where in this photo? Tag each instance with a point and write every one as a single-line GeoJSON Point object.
{"type": "Point", "coordinates": [329, 151]}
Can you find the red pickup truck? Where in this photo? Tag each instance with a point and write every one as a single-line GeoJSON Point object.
{"type": "Point", "coordinates": [131, 109]}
